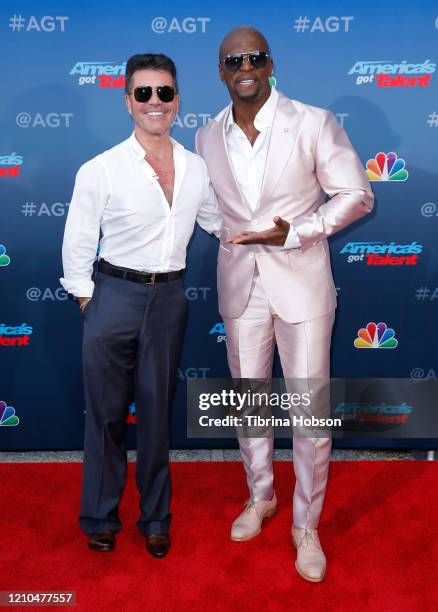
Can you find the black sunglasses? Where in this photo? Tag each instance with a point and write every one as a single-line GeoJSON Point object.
{"type": "Point", "coordinates": [234, 61]}
{"type": "Point", "coordinates": [166, 93]}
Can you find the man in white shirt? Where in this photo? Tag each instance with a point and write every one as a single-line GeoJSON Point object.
{"type": "Point", "coordinates": [272, 161]}
{"type": "Point", "coordinates": [143, 196]}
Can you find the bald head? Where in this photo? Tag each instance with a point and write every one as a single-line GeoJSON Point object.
{"type": "Point", "coordinates": [239, 36]}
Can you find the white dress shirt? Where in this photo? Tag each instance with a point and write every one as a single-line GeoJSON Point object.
{"type": "Point", "coordinates": [249, 161]}
{"type": "Point", "coordinates": [118, 195]}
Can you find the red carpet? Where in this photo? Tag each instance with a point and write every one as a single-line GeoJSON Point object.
{"type": "Point", "coordinates": [379, 530]}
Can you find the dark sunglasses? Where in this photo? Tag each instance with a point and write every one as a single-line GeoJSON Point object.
{"type": "Point", "coordinates": [234, 61]}
{"type": "Point", "coordinates": [166, 93]}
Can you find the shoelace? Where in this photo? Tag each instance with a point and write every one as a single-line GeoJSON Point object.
{"type": "Point", "coordinates": [308, 540]}
{"type": "Point", "coordinates": [250, 504]}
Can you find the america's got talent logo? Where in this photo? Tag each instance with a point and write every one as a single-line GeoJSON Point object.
{"type": "Point", "coordinates": [106, 75]}
{"type": "Point", "coordinates": [219, 330]}
{"type": "Point", "coordinates": [15, 335]}
{"type": "Point", "coordinates": [390, 74]}
{"type": "Point", "coordinates": [131, 417]}
{"type": "Point", "coordinates": [10, 165]}
{"type": "Point", "coordinates": [382, 254]}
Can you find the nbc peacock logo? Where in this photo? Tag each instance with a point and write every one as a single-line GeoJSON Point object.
{"type": "Point", "coordinates": [8, 417]}
{"type": "Point", "coordinates": [387, 167]}
{"type": "Point", "coordinates": [5, 260]}
{"type": "Point", "coordinates": [376, 336]}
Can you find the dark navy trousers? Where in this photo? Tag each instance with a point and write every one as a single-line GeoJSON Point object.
{"type": "Point", "coordinates": [131, 347]}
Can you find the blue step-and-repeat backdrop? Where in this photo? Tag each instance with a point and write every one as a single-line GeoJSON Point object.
{"type": "Point", "coordinates": [374, 67]}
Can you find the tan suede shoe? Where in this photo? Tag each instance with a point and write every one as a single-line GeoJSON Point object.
{"type": "Point", "coordinates": [311, 562]}
{"type": "Point", "coordinates": [249, 523]}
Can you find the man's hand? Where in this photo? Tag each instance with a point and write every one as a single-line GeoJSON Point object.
{"type": "Point", "coordinates": [83, 301]}
{"type": "Point", "coordinates": [275, 236]}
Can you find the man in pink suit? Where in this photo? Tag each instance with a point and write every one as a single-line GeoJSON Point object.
{"type": "Point", "coordinates": [271, 161]}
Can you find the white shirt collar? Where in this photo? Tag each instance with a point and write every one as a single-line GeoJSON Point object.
{"type": "Point", "coordinates": [264, 117]}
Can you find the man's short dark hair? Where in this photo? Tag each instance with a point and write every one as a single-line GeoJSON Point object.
{"type": "Point", "coordinates": [152, 61]}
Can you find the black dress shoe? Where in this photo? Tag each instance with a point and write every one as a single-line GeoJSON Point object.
{"type": "Point", "coordinates": [102, 540]}
{"type": "Point", "coordinates": [158, 544]}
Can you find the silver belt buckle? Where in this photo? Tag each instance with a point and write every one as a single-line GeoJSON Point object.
{"type": "Point", "coordinates": [152, 281]}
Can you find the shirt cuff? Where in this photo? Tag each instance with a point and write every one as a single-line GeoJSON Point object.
{"type": "Point", "coordinates": [78, 289]}
{"type": "Point", "coordinates": [292, 241]}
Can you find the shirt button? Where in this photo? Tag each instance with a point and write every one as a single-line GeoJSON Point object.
{"type": "Point", "coordinates": [255, 222]}
{"type": "Point", "coordinates": [251, 255]}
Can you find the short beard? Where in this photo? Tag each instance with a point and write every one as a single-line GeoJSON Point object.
{"type": "Point", "coordinates": [248, 98]}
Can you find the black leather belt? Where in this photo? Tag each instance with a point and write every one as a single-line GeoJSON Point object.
{"type": "Point", "coordinates": [147, 278]}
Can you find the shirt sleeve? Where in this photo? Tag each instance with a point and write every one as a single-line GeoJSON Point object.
{"type": "Point", "coordinates": [82, 229]}
{"type": "Point", "coordinates": [292, 240]}
{"type": "Point", "coordinates": [342, 177]}
{"type": "Point", "coordinates": [209, 217]}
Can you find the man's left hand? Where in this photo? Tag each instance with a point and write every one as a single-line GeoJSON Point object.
{"type": "Point", "coordinates": [275, 236]}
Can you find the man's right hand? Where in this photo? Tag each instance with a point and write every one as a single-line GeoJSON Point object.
{"type": "Point", "coordinates": [83, 301]}
{"type": "Point", "coordinates": [275, 236]}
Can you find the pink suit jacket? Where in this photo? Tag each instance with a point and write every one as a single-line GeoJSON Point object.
{"type": "Point", "coordinates": [309, 155]}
